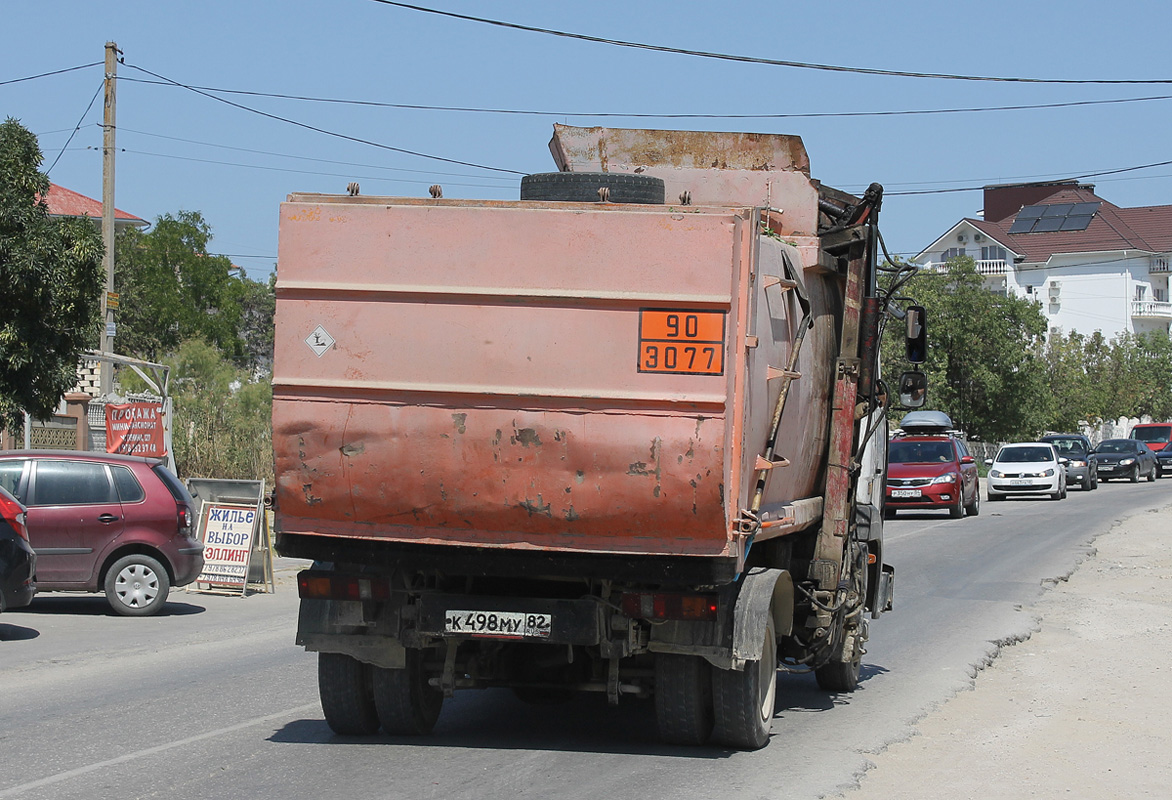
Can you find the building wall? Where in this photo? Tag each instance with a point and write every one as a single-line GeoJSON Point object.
{"type": "Point", "coordinates": [1085, 292]}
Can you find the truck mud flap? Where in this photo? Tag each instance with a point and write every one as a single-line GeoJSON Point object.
{"type": "Point", "coordinates": [885, 591]}
{"type": "Point", "coordinates": [578, 622]}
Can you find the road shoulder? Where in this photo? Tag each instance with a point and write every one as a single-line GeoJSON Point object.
{"type": "Point", "coordinates": [1080, 708]}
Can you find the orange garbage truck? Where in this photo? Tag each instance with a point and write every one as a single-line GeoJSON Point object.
{"type": "Point", "coordinates": [623, 435]}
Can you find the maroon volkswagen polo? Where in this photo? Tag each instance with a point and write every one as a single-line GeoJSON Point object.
{"type": "Point", "coordinates": [106, 523]}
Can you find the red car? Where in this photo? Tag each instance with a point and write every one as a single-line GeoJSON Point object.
{"type": "Point", "coordinates": [106, 523]}
{"type": "Point", "coordinates": [1154, 434]}
{"type": "Point", "coordinates": [928, 468]}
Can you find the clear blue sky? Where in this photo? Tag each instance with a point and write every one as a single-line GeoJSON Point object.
{"type": "Point", "coordinates": [180, 150]}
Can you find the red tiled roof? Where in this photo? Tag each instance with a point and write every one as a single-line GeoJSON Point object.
{"type": "Point", "coordinates": [64, 202]}
{"type": "Point", "coordinates": [1147, 228]}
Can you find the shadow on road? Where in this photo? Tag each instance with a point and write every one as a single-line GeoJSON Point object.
{"type": "Point", "coordinates": [96, 605]}
{"type": "Point", "coordinates": [17, 633]}
{"type": "Point", "coordinates": [495, 719]}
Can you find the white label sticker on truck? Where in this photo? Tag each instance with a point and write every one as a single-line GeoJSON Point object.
{"type": "Point", "coordinates": [498, 623]}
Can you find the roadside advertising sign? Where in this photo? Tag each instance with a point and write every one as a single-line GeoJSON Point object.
{"type": "Point", "coordinates": [135, 429]}
{"type": "Point", "coordinates": [226, 529]}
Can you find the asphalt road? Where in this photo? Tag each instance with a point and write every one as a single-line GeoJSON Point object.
{"type": "Point", "coordinates": [212, 699]}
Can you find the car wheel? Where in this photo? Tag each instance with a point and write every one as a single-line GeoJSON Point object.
{"type": "Point", "coordinates": [1086, 483]}
{"type": "Point", "coordinates": [1056, 495]}
{"type": "Point", "coordinates": [974, 508]}
{"type": "Point", "coordinates": [1151, 474]}
{"type": "Point", "coordinates": [1063, 497]}
{"type": "Point", "coordinates": [957, 511]}
{"type": "Point", "coordinates": [1135, 474]}
{"type": "Point", "coordinates": [137, 586]}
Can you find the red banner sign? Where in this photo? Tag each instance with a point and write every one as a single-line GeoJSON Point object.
{"type": "Point", "coordinates": [135, 429]}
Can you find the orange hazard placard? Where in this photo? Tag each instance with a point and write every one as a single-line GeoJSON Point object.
{"type": "Point", "coordinates": [681, 342]}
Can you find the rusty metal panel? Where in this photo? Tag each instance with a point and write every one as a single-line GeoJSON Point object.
{"type": "Point", "coordinates": [471, 374]}
{"type": "Point", "coordinates": [712, 168]}
{"type": "Point", "coordinates": [479, 373]}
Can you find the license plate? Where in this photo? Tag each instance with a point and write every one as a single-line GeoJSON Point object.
{"type": "Point", "coordinates": [498, 623]}
{"type": "Point", "coordinates": [1020, 482]}
{"type": "Point", "coordinates": [905, 492]}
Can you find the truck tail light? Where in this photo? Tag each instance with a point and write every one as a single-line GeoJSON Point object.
{"type": "Point", "coordinates": [13, 511]}
{"type": "Point", "coordinates": [313, 585]}
{"type": "Point", "coordinates": [670, 605]}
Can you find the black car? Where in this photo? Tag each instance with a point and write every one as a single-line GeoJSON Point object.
{"type": "Point", "coordinates": [1164, 462]}
{"type": "Point", "coordinates": [1125, 458]}
{"type": "Point", "coordinates": [18, 562]}
{"type": "Point", "coordinates": [1081, 469]}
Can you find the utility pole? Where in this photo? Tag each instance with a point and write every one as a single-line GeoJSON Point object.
{"type": "Point", "coordinates": [107, 368]}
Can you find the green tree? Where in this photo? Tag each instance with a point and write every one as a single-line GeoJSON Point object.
{"type": "Point", "coordinates": [984, 365]}
{"type": "Point", "coordinates": [51, 271]}
{"type": "Point", "coordinates": [173, 290]}
{"type": "Point", "coordinates": [221, 423]}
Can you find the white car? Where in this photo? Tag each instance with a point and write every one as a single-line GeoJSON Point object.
{"type": "Point", "coordinates": [1027, 468]}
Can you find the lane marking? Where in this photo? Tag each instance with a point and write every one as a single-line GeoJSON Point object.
{"type": "Point", "coordinates": [150, 751]}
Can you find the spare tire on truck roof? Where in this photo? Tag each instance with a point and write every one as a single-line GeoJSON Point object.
{"type": "Point", "coordinates": [582, 187]}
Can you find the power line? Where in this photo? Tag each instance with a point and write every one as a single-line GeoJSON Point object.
{"type": "Point", "coordinates": [47, 74]}
{"type": "Point", "coordinates": [76, 128]}
{"type": "Point", "coordinates": [1073, 178]}
{"type": "Point", "coordinates": [765, 61]}
{"type": "Point", "coordinates": [323, 130]}
{"type": "Point", "coordinates": [310, 158]}
{"type": "Point", "coordinates": [645, 115]}
{"type": "Point", "coordinates": [298, 171]}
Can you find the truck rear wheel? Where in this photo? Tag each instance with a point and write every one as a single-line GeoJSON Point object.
{"type": "Point", "coordinates": [407, 705]}
{"type": "Point", "coordinates": [742, 700]}
{"type": "Point", "coordinates": [347, 697]}
{"type": "Point", "coordinates": [683, 698]}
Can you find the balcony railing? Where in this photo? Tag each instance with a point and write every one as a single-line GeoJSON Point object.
{"type": "Point", "coordinates": [1160, 264]}
{"type": "Point", "coordinates": [1151, 308]}
{"type": "Point", "coordinates": [993, 267]}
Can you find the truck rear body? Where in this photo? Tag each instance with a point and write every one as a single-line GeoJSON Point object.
{"type": "Point", "coordinates": [567, 416]}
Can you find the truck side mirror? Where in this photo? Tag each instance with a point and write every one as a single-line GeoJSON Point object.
{"type": "Point", "coordinates": [913, 389]}
{"type": "Point", "coordinates": [917, 335]}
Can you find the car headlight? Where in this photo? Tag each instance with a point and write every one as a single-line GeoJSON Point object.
{"type": "Point", "coordinates": [948, 478]}
{"type": "Point", "coordinates": [994, 473]}
{"type": "Point", "coordinates": [1126, 461]}
{"type": "Point", "coordinates": [1077, 464]}
{"type": "Point", "coordinates": [1048, 473]}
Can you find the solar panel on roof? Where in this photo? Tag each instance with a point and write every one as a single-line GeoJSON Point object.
{"type": "Point", "coordinates": [1052, 217]}
{"type": "Point", "coordinates": [1073, 223]}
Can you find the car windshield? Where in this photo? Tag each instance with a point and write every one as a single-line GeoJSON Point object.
{"type": "Point", "coordinates": [1117, 446]}
{"type": "Point", "coordinates": [1069, 447]}
{"type": "Point", "coordinates": [919, 452]}
{"type": "Point", "coordinates": [1155, 433]}
{"type": "Point", "coordinates": [1023, 455]}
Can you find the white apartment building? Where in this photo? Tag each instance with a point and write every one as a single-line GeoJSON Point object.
{"type": "Point", "coordinates": [1090, 264]}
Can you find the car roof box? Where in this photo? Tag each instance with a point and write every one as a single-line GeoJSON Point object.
{"type": "Point", "coordinates": [926, 422]}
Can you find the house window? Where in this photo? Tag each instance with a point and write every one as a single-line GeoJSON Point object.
{"type": "Point", "coordinates": [952, 252]}
{"type": "Point", "coordinates": [993, 253]}
{"type": "Point", "coordinates": [1160, 295]}
{"type": "Point", "coordinates": [1140, 291]}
